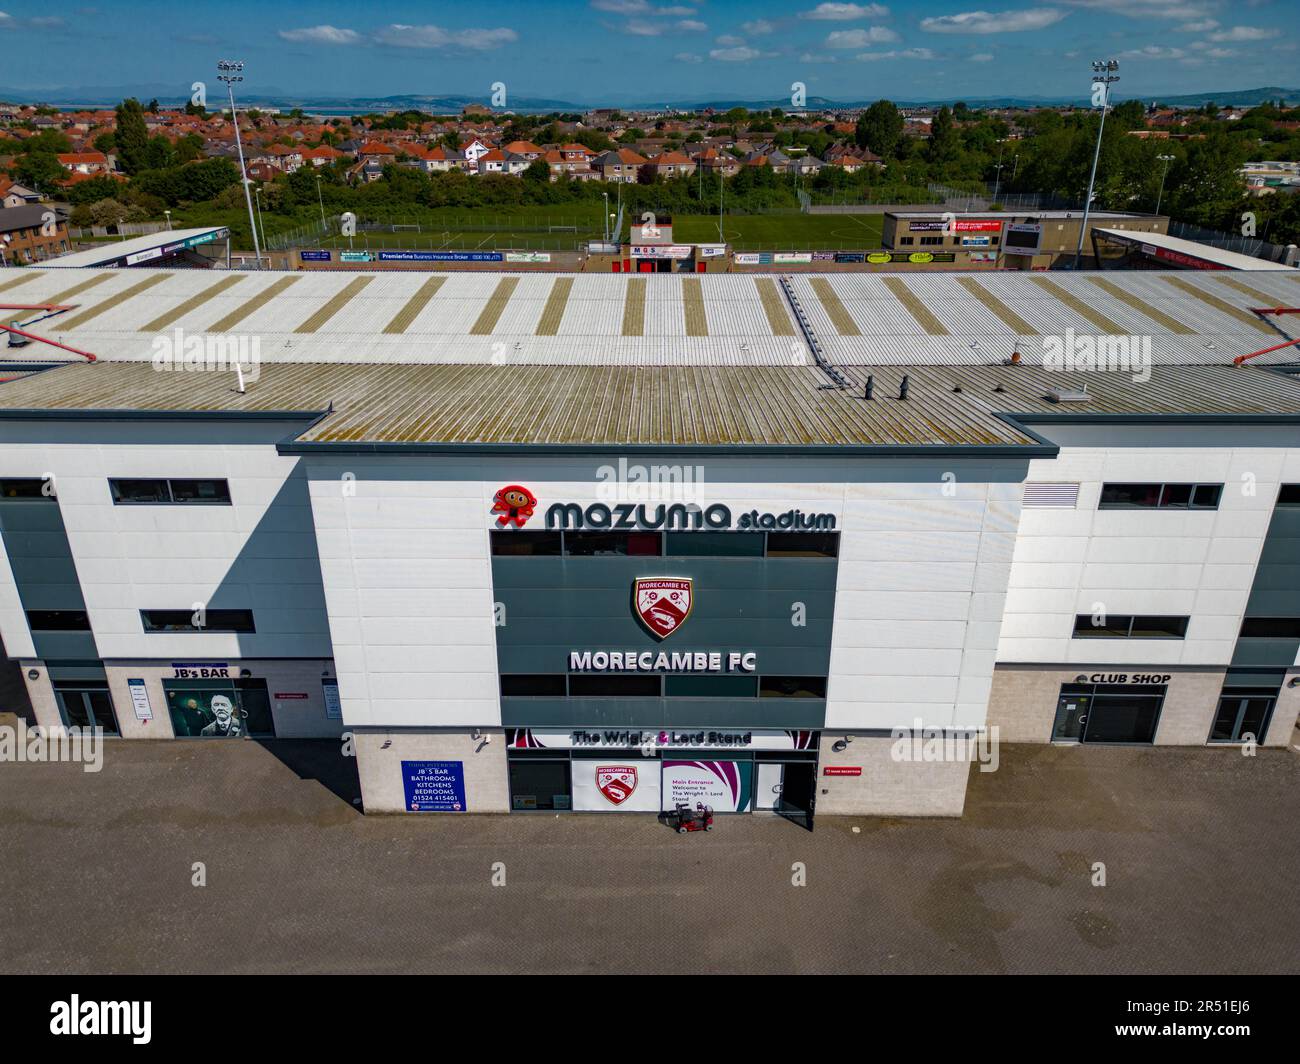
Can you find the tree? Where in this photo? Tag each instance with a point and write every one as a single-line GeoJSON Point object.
{"type": "Point", "coordinates": [153, 107]}
{"type": "Point", "coordinates": [106, 143]}
{"type": "Point", "coordinates": [132, 136]}
{"type": "Point", "coordinates": [538, 173]}
{"type": "Point", "coordinates": [943, 144]}
{"type": "Point", "coordinates": [880, 128]}
{"type": "Point", "coordinates": [39, 170]}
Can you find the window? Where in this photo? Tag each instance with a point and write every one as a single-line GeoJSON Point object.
{"type": "Point", "coordinates": [1242, 712]}
{"type": "Point", "coordinates": [710, 686]}
{"type": "Point", "coordinates": [906, 240]}
{"type": "Point", "coordinates": [23, 488]}
{"type": "Point", "coordinates": [1288, 495]}
{"type": "Point", "coordinates": [931, 241]}
{"type": "Point", "coordinates": [166, 492]}
{"type": "Point", "coordinates": [803, 544]}
{"type": "Point", "coordinates": [183, 621]}
{"type": "Point", "coordinates": [1160, 496]}
{"type": "Point", "coordinates": [1270, 628]}
{"type": "Point", "coordinates": [715, 544]}
{"type": "Point", "coordinates": [58, 621]}
{"type": "Point", "coordinates": [1128, 626]}
{"type": "Point", "coordinates": [538, 685]}
{"type": "Point", "coordinates": [510, 544]}
{"type": "Point", "coordinates": [613, 686]}
{"type": "Point", "coordinates": [792, 687]}
{"type": "Point", "coordinates": [590, 544]}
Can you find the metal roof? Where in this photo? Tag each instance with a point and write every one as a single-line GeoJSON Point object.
{"type": "Point", "coordinates": [971, 318]}
{"type": "Point", "coordinates": [1229, 260]}
{"type": "Point", "coordinates": [115, 250]}
{"type": "Point", "coordinates": [748, 406]}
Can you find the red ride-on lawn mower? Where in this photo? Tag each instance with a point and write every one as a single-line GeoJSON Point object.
{"type": "Point", "coordinates": [684, 819]}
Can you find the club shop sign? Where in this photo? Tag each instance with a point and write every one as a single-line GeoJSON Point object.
{"type": "Point", "coordinates": [686, 516]}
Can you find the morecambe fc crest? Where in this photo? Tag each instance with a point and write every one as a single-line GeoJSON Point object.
{"type": "Point", "coordinates": [663, 603]}
{"type": "Point", "coordinates": [616, 782]}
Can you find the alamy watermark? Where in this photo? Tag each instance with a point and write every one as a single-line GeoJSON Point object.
{"type": "Point", "coordinates": [40, 744]}
{"type": "Point", "coordinates": [921, 744]}
{"type": "Point", "coordinates": [1086, 353]}
{"type": "Point", "coordinates": [183, 352]}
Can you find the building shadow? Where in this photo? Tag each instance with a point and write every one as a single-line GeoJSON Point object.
{"type": "Point", "coordinates": [319, 760]}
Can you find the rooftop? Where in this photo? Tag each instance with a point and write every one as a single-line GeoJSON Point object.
{"type": "Point", "coordinates": [1191, 317]}
{"type": "Point", "coordinates": [1229, 260]}
{"type": "Point", "coordinates": [119, 251]}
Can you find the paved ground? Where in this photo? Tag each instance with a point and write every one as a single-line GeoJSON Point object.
{"type": "Point", "coordinates": [1201, 848]}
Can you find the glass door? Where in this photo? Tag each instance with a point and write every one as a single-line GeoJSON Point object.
{"type": "Point", "coordinates": [86, 706]}
{"type": "Point", "coordinates": [1071, 717]}
{"type": "Point", "coordinates": [1242, 713]}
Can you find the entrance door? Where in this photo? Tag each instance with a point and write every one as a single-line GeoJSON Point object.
{"type": "Point", "coordinates": [1242, 712]}
{"type": "Point", "coordinates": [1114, 713]}
{"type": "Point", "coordinates": [1071, 717]}
{"type": "Point", "coordinates": [86, 706]}
{"type": "Point", "coordinates": [786, 788]}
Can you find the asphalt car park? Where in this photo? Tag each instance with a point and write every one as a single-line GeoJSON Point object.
{"type": "Point", "coordinates": [187, 856]}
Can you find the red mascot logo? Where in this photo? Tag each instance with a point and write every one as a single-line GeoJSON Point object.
{"type": "Point", "coordinates": [515, 504]}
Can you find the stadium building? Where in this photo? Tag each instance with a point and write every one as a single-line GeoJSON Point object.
{"type": "Point", "coordinates": [601, 543]}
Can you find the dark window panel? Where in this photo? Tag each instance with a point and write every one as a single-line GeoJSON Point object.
{"type": "Point", "coordinates": [593, 544]}
{"type": "Point", "coordinates": [792, 687]}
{"type": "Point", "coordinates": [1122, 496]}
{"type": "Point", "coordinates": [537, 685]}
{"type": "Point", "coordinates": [1270, 628]}
{"type": "Point", "coordinates": [142, 491]}
{"type": "Point", "coordinates": [216, 492]}
{"type": "Point", "coordinates": [803, 544]}
{"type": "Point", "coordinates": [1112, 626]}
{"type": "Point", "coordinates": [510, 544]}
{"type": "Point", "coordinates": [715, 544]}
{"type": "Point", "coordinates": [1289, 495]}
{"type": "Point", "coordinates": [183, 621]}
{"type": "Point", "coordinates": [613, 686]}
{"type": "Point", "coordinates": [23, 488]}
{"type": "Point", "coordinates": [1176, 495]}
{"type": "Point", "coordinates": [58, 621]}
{"type": "Point", "coordinates": [710, 686]}
{"type": "Point", "coordinates": [1147, 627]}
{"type": "Point", "coordinates": [1206, 496]}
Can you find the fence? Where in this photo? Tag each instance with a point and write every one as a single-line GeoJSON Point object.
{"type": "Point", "coordinates": [1012, 202]}
{"type": "Point", "coordinates": [1244, 245]}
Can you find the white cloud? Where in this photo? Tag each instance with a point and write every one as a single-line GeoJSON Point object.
{"type": "Point", "coordinates": [1033, 18]}
{"type": "Point", "coordinates": [860, 38]}
{"type": "Point", "coordinates": [639, 7]}
{"type": "Point", "coordinates": [1153, 51]}
{"type": "Point", "coordinates": [320, 35]}
{"type": "Point", "coordinates": [688, 57]}
{"type": "Point", "coordinates": [810, 57]}
{"type": "Point", "coordinates": [982, 57]}
{"type": "Point", "coordinates": [1204, 26]}
{"type": "Point", "coordinates": [638, 27]}
{"type": "Point", "coordinates": [735, 55]}
{"type": "Point", "coordinates": [906, 53]}
{"type": "Point", "coordinates": [758, 27]}
{"type": "Point", "coordinates": [1245, 33]}
{"type": "Point", "coordinates": [845, 12]}
{"type": "Point", "coordinates": [1180, 9]}
{"type": "Point", "coordinates": [400, 36]}
{"type": "Point", "coordinates": [730, 41]}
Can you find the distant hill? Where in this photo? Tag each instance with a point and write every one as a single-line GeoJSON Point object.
{"type": "Point", "coordinates": [450, 103]}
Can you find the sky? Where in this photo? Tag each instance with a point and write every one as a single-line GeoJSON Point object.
{"type": "Point", "coordinates": [621, 51]}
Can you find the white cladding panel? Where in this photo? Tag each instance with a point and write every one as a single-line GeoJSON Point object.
{"type": "Point", "coordinates": [257, 553]}
{"type": "Point", "coordinates": [1183, 563]}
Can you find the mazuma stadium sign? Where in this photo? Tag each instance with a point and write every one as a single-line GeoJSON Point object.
{"type": "Point", "coordinates": [639, 516]}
